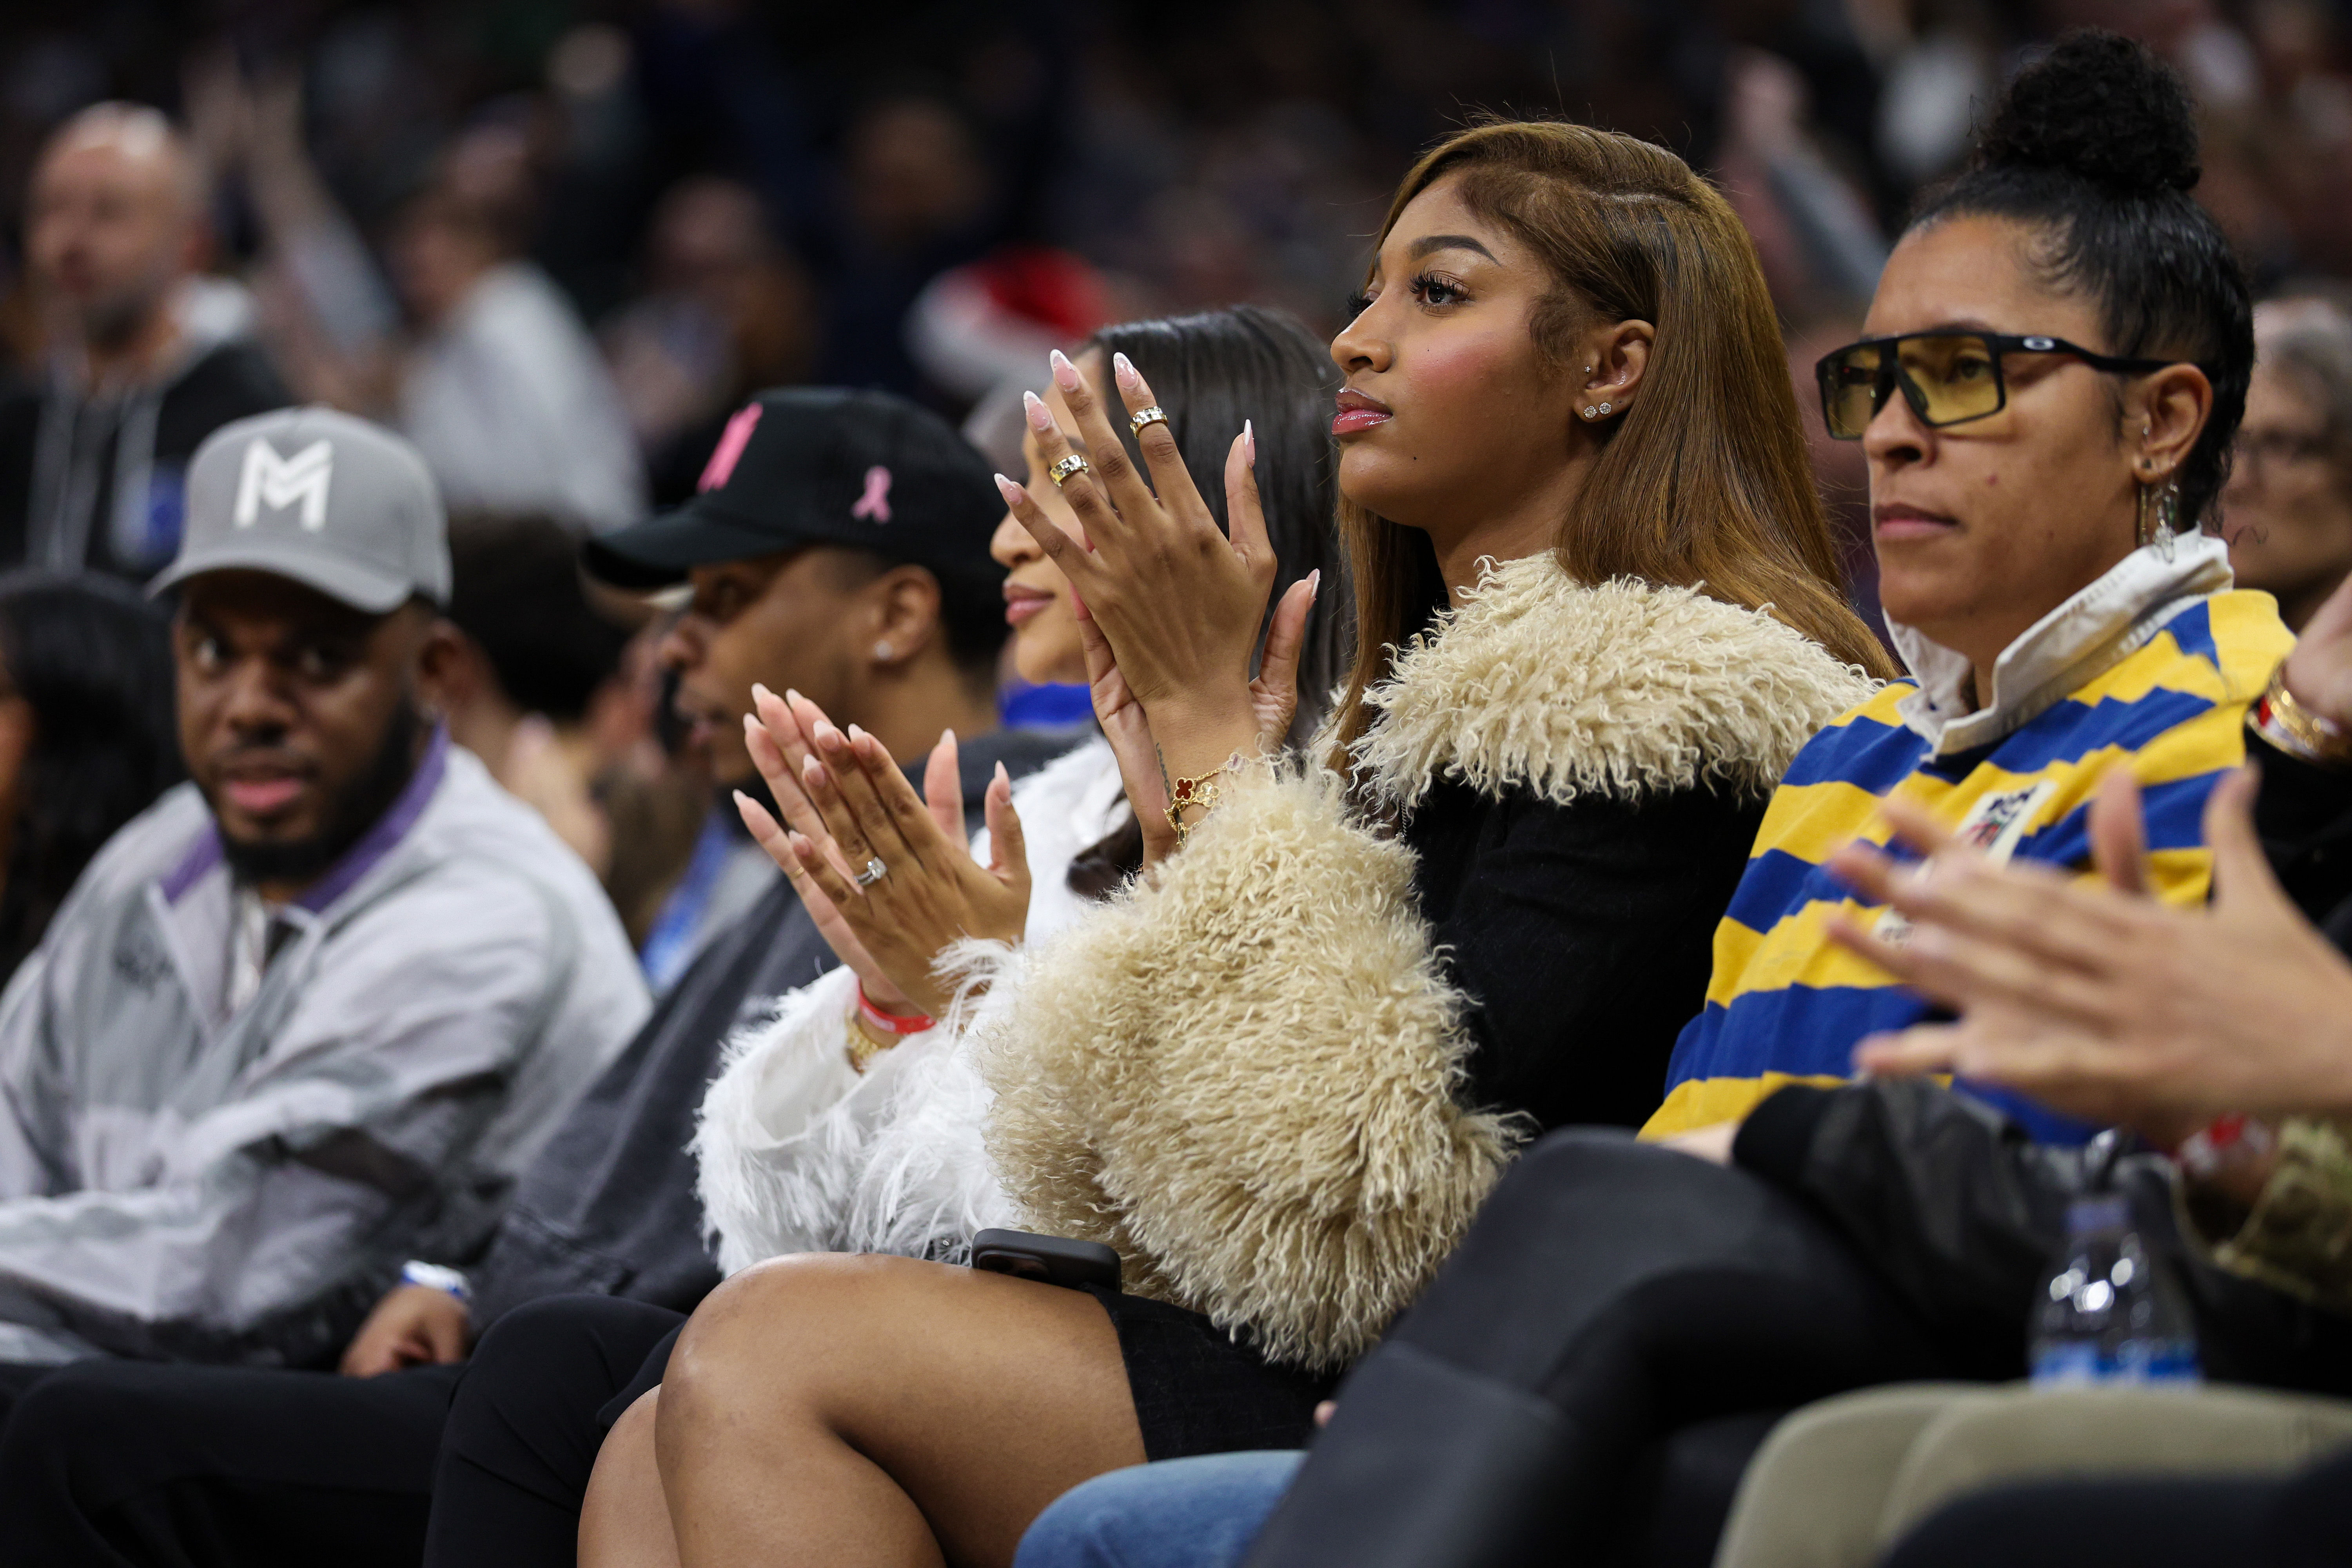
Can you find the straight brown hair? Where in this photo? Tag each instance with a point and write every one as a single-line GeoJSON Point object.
{"type": "Point", "coordinates": [1705, 483]}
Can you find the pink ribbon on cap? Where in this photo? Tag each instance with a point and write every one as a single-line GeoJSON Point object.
{"type": "Point", "coordinates": [873, 506]}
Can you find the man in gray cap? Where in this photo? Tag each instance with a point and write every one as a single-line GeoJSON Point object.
{"type": "Point", "coordinates": [309, 1014]}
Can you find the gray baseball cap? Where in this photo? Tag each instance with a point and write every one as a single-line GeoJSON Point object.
{"type": "Point", "coordinates": [333, 502]}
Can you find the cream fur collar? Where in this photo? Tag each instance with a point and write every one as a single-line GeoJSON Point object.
{"type": "Point", "coordinates": [1614, 689]}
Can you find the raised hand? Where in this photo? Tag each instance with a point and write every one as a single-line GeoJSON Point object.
{"type": "Point", "coordinates": [2104, 1002]}
{"type": "Point", "coordinates": [904, 886]}
{"type": "Point", "coordinates": [776, 733]}
{"type": "Point", "coordinates": [1179, 601]}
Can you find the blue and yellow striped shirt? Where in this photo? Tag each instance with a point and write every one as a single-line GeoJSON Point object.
{"type": "Point", "coordinates": [1785, 1004]}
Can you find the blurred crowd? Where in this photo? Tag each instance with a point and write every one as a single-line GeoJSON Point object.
{"type": "Point", "coordinates": [556, 244]}
{"type": "Point", "coordinates": [588, 366]}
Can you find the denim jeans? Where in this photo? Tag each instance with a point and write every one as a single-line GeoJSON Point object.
{"type": "Point", "coordinates": [1182, 1513]}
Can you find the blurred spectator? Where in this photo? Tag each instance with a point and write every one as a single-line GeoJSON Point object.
{"type": "Point", "coordinates": [987, 326]}
{"type": "Point", "coordinates": [916, 198]}
{"type": "Point", "coordinates": [536, 658]}
{"type": "Point", "coordinates": [87, 739]}
{"type": "Point", "coordinates": [2288, 507]}
{"type": "Point", "coordinates": [308, 1014]}
{"type": "Point", "coordinates": [496, 382]}
{"type": "Point", "coordinates": [727, 312]}
{"type": "Point", "coordinates": [142, 362]}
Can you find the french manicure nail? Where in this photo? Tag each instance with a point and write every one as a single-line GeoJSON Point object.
{"type": "Point", "coordinates": [1066, 375]}
{"type": "Point", "coordinates": [1122, 368]}
{"type": "Point", "coordinates": [791, 695]}
{"type": "Point", "coordinates": [1313, 583]}
{"type": "Point", "coordinates": [826, 735]}
{"type": "Point", "coordinates": [1003, 777]}
{"type": "Point", "coordinates": [760, 693]}
{"type": "Point", "coordinates": [1040, 418]}
{"type": "Point", "coordinates": [1009, 491]}
{"type": "Point", "coordinates": [947, 735]}
{"type": "Point", "coordinates": [1249, 444]}
{"type": "Point", "coordinates": [742, 799]}
{"type": "Point", "coordinates": [856, 734]}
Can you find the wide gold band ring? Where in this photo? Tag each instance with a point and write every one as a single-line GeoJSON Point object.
{"type": "Point", "coordinates": [1060, 472]}
{"type": "Point", "coordinates": [1142, 417]}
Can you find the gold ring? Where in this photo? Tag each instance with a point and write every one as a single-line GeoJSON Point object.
{"type": "Point", "coordinates": [1060, 472]}
{"type": "Point", "coordinates": [1142, 417]}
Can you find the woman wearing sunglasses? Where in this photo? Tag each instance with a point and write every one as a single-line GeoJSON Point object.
{"type": "Point", "coordinates": [2055, 363]}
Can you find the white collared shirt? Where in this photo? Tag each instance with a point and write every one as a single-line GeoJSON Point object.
{"type": "Point", "coordinates": [2096, 629]}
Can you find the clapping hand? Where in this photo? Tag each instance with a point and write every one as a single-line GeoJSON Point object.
{"type": "Point", "coordinates": [849, 805]}
{"type": "Point", "coordinates": [1170, 607]}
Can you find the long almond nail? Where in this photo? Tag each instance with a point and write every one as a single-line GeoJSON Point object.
{"type": "Point", "coordinates": [1122, 368]}
{"type": "Point", "coordinates": [1040, 418]}
{"type": "Point", "coordinates": [1012, 492]}
{"type": "Point", "coordinates": [1066, 375]}
{"type": "Point", "coordinates": [1249, 444]}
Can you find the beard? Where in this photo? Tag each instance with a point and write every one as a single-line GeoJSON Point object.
{"type": "Point", "coordinates": [300, 861]}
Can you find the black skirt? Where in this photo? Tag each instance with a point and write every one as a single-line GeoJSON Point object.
{"type": "Point", "coordinates": [1198, 1390]}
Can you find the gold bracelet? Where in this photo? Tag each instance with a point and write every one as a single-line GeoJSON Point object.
{"type": "Point", "coordinates": [863, 1042]}
{"type": "Point", "coordinates": [1187, 794]}
{"type": "Point", "coordinates": [2295, 729]}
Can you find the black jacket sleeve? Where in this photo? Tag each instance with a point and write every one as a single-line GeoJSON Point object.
{"type": "Point", "coordinates": [1582, 933]}
{"type": "Point", "coordinates": [1964, 1217]}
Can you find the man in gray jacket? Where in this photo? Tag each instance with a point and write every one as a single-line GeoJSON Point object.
{"type": "Point", "coordinates": [310, 1013]}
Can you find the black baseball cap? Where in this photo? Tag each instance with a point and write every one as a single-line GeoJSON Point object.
{"type": "Point", "coordinates": [821, 465]}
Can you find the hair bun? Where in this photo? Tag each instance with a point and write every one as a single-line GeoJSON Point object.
{"type": "Point", "coordinates": [2100, 106]}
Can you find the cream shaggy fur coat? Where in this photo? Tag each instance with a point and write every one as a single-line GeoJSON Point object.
{"type": "Point", "coordinates": [1241, 1072]}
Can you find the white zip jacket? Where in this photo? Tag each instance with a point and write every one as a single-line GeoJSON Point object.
{"type": "Point", "coordinates": [799, 1153]}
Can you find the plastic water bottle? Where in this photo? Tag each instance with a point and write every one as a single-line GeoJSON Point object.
{"type": "Point", "coordinates": [2111, 1312]}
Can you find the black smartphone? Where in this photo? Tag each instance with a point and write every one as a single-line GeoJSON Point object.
{"type": "Point", "coordinates": [1056, 1259]}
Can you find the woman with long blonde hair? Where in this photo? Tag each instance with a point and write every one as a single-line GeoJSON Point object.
{"type": "Point", "coordinates": [1597, 614]}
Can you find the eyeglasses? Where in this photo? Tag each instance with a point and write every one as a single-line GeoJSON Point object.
{"type": "Point", "coordinates": [1947, 378]}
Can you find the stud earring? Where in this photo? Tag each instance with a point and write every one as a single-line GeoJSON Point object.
{"type": "Point", "coordinates": [1592, 413]}
{"type": "Point", "coordinates": [882, 650]}
{"type": "Point", "coordinates": [1604, 409]}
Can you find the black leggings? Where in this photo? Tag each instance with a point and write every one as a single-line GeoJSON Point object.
{"type": "Point", "coordinates": [1609, 1294]}
{"type": "Point", "coordinates": [540, 1393]}
{"type": "Point", "coordinates": [2304, 1522]}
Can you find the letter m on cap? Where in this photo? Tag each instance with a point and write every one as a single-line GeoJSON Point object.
{"type": "Point", "coordinates": [278, 482]}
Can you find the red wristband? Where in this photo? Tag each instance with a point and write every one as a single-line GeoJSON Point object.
{"type": "Point", "coordinates": [890, 1023]}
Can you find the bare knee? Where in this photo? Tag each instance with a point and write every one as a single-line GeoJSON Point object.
{"type": "Point", "coordinates": [779, 1334]}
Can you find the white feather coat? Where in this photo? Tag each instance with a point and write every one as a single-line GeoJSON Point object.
{"type": "Point", "coordinates": [798, 1152]}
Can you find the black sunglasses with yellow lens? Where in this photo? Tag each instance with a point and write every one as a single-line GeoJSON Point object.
{"type": "Point", "coordinates": [1947, 378]}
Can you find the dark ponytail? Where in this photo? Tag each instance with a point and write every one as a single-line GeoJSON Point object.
{"type": "Point", "coordinates": [2094, 146]}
